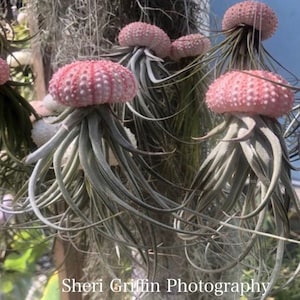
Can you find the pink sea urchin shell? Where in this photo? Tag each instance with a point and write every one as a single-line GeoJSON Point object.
{"type": "Point", "coordinates": [252, 13]}
{"type": "Point", "coordinates": [84, 83]}
{"type": "Point", "coordinates": [189, 46]}
{"type": "Point", "coordinates": [145, 35]}
{"type": "Point", "coordinates": [4, 71]}
{"type": "Point", "coordinates": [238, 91]}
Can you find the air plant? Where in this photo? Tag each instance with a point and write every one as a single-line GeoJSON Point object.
{"type": "Point", "coordinates": [145, 35]}
{"type": "Point", "coordinates": [258, 16]}
{"type": "Point", "coordinates": [93, 193]}
{"type": "Point", "coordinates": [247, 173]}
{"type": "Point", "coordinates": [246, 25]}
{"type": "Point", "coordinates": [144, 49]}
{"type": "Point", "coordinates": [245, 179]}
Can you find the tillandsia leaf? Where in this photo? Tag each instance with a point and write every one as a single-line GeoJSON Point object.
{"type": "Point", "coordinates": [152, 65]}
{"type": "Point", "coordinates": [243, 49]}
{"type": "Point", "coordinates": [280, 251]}
{"type": "Point", "coordinates": [155, 96]}
{"type": "Point", "coordinates": [228, 261]}
{"type": "Point", "coordinates": [247, 132]}
{"type": "Point", "coordinates": [215, 131]}
{"type": "Point", "coordinates": [291, 126]}
{"type": "Point", "coordinates": [274, 169]}
{"type": "Point", "coordinates": [64, 184]}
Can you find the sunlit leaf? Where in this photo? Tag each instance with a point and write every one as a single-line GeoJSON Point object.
{"type": "Point", "coordinates": [51, 291]}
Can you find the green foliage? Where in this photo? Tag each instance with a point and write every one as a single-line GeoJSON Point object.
{"type": "Point", "coordinates": [51, 291]}
{"type": "Point", "coordinates": [19, 264]}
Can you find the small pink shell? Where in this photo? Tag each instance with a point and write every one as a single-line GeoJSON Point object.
{"type": "Point", "coordinates": [84, 83]}
{"type": "Point", "coordinates": [190, 46]}
{"type": "Point", "coordinates": [4, 71]}
{"type": "Point", "coordinates": [238, 91]}
{"type": "Point", "coordinates": [145, 35]}
{"type": "Point", "coordinates": [252, 13]}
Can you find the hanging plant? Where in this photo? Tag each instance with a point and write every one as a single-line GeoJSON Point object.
{"type": "Point", "coordinates": [93, 193]}
{"type": "Point", "coordinates": [143, 49]}
{"type": "Point", "coordinates": [245, 25]}
{"type": "Point", "coordinates": [145, 35]}
{"type": "Point", "coordinates": [247, 173]}
{"type": "Point", "coordinates": [251, 16]}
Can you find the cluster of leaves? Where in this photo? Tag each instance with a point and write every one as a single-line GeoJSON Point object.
{"type": "Point", "coordinates": [23, 249]}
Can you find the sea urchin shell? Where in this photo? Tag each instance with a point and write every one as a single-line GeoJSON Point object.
{"type": "Point", "coordinates": [92, 82]}
{"type": "Point", "coordinates": [189, 46]}
{"type": "Point", "coordinates": [4, 71]}
{"type": "Point", "coordinates": [145, 35]}
{"type": "Point", "coordinates": [253, 92]}
{"type": "Point", "coordinates": [252, 13]}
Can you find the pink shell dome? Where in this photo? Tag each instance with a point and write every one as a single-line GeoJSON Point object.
{"type": "Point", "coordinates": [84, 83]}
{"type": "Point", "coordinates": [145, 35]}
{"type": "Point", "coordinates": [252, 13]}
{"type": "Point", "coordinates": [238, 91]}
{"type": "Point", "coordinates": [189, 46]}
{"type": "Point", "coordinates": [4, 71]}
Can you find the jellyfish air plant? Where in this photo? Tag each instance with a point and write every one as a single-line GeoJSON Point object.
{"type": "Point", "coordinates": [93, 193]}
{"type": "Point", "coordinates": [140, 34]}
{"type": "Point", "coordinates": [148, 45]}
{"type": "Point", "coordinates": [143, 48]}
{"type": "Point", "coordinates": [245, 179]}
{"type": "Point", "coordinates": [245, 25]}
{"type": "Point", "coordinates": [258, 16]}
